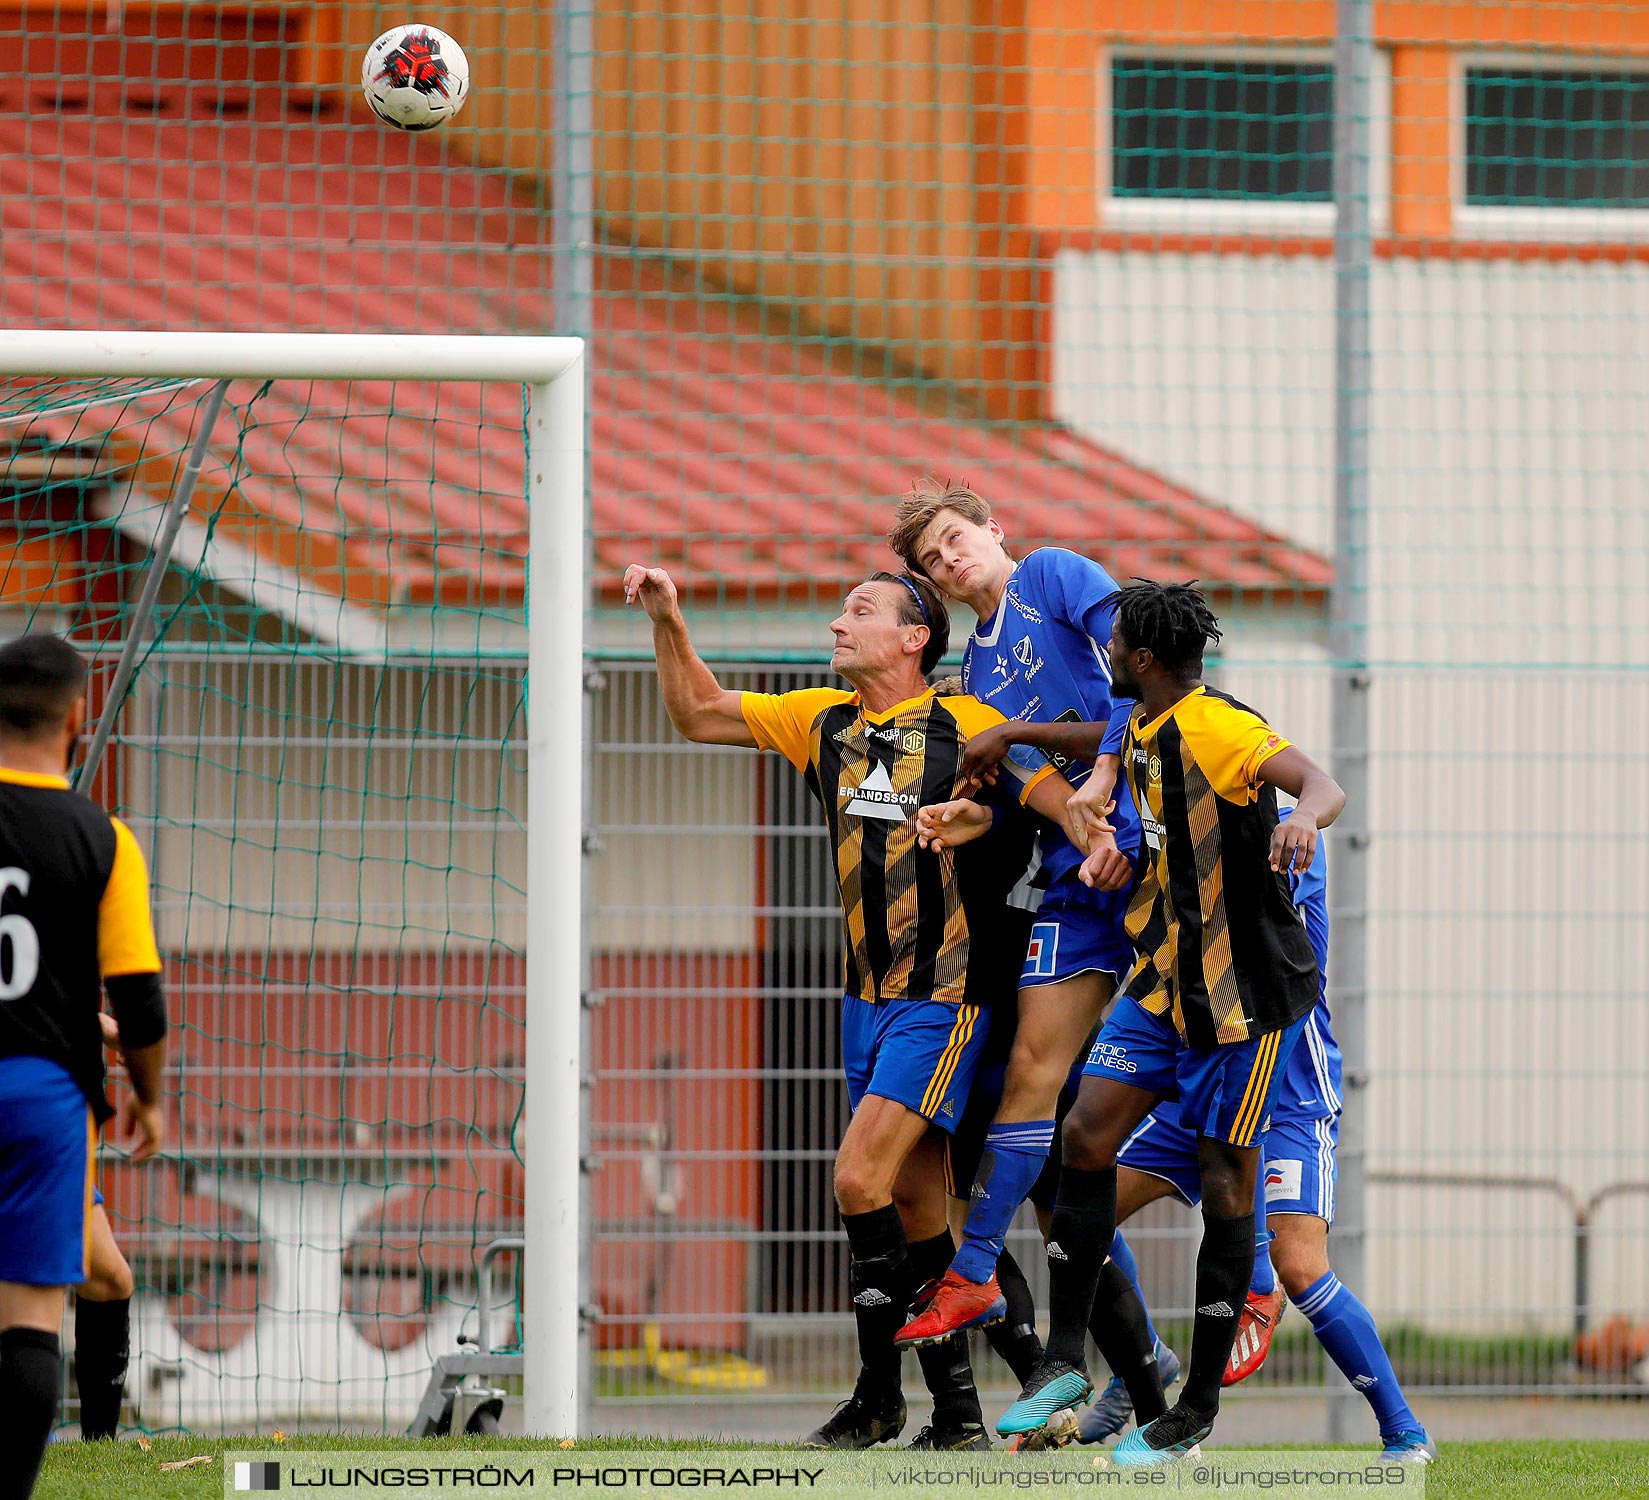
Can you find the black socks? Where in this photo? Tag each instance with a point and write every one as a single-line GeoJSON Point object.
{"type": "Point", "coordinates": [31, 1370]}
{"type": "Point", "coordinates": [102, 1337]}
{"type": "Point", "coordinates": [1122, 1331]}
{"type": "Point", "coordinates": [881, 1284]}
{"type": "Point", "coordinates": [946, 1368]}
{"type": "Point", "coordinates": [1225, 1264]}
{"type": "Point", "coordinates": [1015, 1338]}
{"type": "Point", "coordinates": [1079, 1239]}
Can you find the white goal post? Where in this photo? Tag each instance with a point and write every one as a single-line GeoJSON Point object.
{"type": "Point", "coordinates": [553, 371]}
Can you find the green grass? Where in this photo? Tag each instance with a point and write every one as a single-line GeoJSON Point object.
{"type": "Point", "coordinates": [1466, 1471]}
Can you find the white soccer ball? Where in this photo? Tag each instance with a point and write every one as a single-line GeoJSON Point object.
{"type": "Point", "coordinates": [415, 77]}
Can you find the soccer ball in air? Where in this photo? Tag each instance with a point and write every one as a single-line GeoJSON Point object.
{"type": "Point", "coordinates": [415, 77]}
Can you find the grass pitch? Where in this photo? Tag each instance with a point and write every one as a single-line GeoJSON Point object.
{"type": "Point", "coordinates": [1465, 1471]}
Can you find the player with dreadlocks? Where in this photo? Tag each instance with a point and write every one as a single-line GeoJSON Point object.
{"type": "Point", "coordinates": [1224, 980]}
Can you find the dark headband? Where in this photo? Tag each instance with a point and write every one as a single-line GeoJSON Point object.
{"type": "Point", "coordinates": [916, 594]}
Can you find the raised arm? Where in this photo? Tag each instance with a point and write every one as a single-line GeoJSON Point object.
{"type": "Point", "coordinates": [700, 707]}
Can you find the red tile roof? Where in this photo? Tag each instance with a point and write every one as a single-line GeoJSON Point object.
{"type": "Point", "coordinates": [744, 462]}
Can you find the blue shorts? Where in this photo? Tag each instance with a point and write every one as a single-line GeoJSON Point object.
{"type": "Point", "coordinates": [1300, 1164]}
{"type": "Point", "coordinates": [1225, 1093]}
{"type": "Point", "coordinates": [1299, 1159]}
{"type": "Point", "coordinates": [919, 1053]}
{"type": "Point", "coordinates": [48, 1153]}
{"type": "Point", "coordinates": [1077, 931]}
{"type": "Point", "coordinates": [1161, 1147]}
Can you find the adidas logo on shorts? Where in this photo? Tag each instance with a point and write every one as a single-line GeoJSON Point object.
{"type": "Point", "coordinates": [1216, 1310]}
{"type": "Point", "coordinates": [873, 1297]}
{"type": "Point", "coordinates": [1054, 1252]}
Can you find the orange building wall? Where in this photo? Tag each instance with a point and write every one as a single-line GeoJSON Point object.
{"type": "Point", "coordinates": [883, 169]}
{"type": "Point", "coordinates": [892, 172]}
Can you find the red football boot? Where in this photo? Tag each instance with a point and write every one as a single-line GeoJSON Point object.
{"type": "Point", "coordinates": [1260, 1316]}
{"type": "Point", "coordinates": [949, 1304]}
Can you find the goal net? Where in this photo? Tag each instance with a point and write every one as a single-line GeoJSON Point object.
{"type": "Point", "coordinates": [315, 593]}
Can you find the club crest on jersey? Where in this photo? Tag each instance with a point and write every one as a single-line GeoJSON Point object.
{"type": "Point", "coordinates": [874, 797]}
{"type": "Point", "coordinates": [914, 742]}
{"type": "Point", "coordinates": [1153, 768]}
{"type": "Point", "coordinates": [1024, 653]}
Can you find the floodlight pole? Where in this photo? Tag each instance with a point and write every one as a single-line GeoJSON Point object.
{"type": "Point", "coordinates": [1348, 880]}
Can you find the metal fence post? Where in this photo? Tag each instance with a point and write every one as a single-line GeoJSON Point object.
{"type": "Point", "coordinates": [1349, 886]}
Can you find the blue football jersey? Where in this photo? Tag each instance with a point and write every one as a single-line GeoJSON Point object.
{"type": "Point", "coordinates": [1042, 658]}
{"type": "Point", "coordinates": [1312, 1080]}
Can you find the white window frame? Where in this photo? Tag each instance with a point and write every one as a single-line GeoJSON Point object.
{"type": "Point", "coordinates": [1534, 221]}
{"type": "Point", "coordinates": [1233, 215]}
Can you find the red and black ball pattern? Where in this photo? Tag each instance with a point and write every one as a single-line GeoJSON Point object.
{"type": "Point", "coordinates": [417, 64]}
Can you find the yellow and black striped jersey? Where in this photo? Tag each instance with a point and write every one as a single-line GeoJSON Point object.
{"type": "Point", "coordinates": [1222, 950]}
{"type": "Point", "coordinates": [74, 909]}
{"type": "Point", "coordinates": [911, 914]}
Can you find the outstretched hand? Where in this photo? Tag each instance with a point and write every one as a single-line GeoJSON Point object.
{"type": "Point", "coordinates": [653, 588]}
{"type": "Point", "coordinates": [949, 825]}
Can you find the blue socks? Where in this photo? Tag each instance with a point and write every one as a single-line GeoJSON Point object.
{"type": "Point", "coordinates": [1345, 1329]}
{"type": "Point", "coordinates": [1123, 1256]}
{"type": "Point", "coordinates": [1264, 1280]}
{"type": "Point", "coordinates": [1013, 1159]}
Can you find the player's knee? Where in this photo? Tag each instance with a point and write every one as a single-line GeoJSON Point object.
{"type": "Point", "coordinates": [1086, 1140]}
{"type": "Point", "coordinates": [1299, 1266]}
{"type": "Point", "coordinates": [1227, 1189]}
{"type": "Point", "coordinates": [1033, 1083]}
{"type": "Point", "coordinates": [860, 1186]}
{"type": "Point", "coordinates": [108, 1283]}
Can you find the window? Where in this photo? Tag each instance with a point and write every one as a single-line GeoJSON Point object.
{"type": "Point", "coordinates": [1557, 139]}
{"type": "Point", "coordinates": [1211, 128]}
